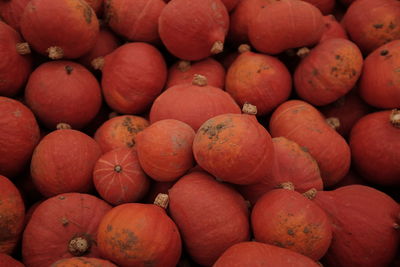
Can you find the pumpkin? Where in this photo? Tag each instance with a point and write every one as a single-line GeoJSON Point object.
{"type": "Point", "coordinates": [83, 262]}
{"type": "Point", "coordinates": [135, 20]}
{"type": "Point", "coordinates": [136, 234]}
{"type": "Point", "coordinates": [12, 210]}
{"type": "Point", "coordinates": [11, 12]}
{"type": "Point", "coordinates": [194, 30]}
{"type": "Point", "coordinates": [259, 79]}
{"type": "Point", "coordinates": [328, 72]}
{"type": "Point", "coordinates": [119, 131]}
{"type": "Point", "coordinates": [63, 92]}
{"type": "Point", "coordinates": [333, 29]}
{"type": "Point", "coordinates": [305, 125]}
{"type": "Point", "coordinates": [63, 226]}
{"type": "Point", "coordinates": [164, 149]}
{"type": "Point", "coordinates": [8, 261]}
{"type": "Point", "coordinates": [18, 137]}
{"type": "Point", "coordinates": [287, 29]}
{"type": "Point", "coordinates": [364, 224]}
{"type": "Point", "coordinates": [119, 178]}
{"type": "Point", "coordinates": [257, 254]}
{"type": "Point", "coordinates": [379, 83]}
{"type": "Point", "coordinates": [63, 162]}
{"type": "Point", "coordinates": [375, 145]}
{"type": "Point", "coordinates": [60, 29]}
{"type": "Point", "coordinates": [210, 215]}
{"type": "Point", "coordinates": [16, 63]}
{"type": "Point", "coordinates": [286, 218]}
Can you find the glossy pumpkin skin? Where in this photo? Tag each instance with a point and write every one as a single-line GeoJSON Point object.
{"type": "Point", "coordinates": [119, 178]}
{"type": "Point", "coordinates": [63, 162]}
{"type": "Point", "coordinates": [135, 22]}
{"type": "Point", "coordinates": [71, 25]}
{"type": "Point", "coordinates": [210, 215]}
{"type": "Point", "coordinates": [292, 164]}
{"type": "Point", "coordinates": [14, 67]}
{"type": "Point", "coordinates": [287, 219]}
{"type": "Point", "coordinates": [332, 29]}
{"type": "Point", "coordinates": [83, 262]}
{"type": "Point", "coordinates": [330, 71]}
{"type": "Point", "coordinates": [132, 77]}
{"type": "Point", "coordinates": [372, 23]}
{"type": "Point", "coordinates": [18, 137]}
{"type": "Point", "coordinates": [288, 29]}
{"type": "Point", "coordinates": [262, 80]}
{"type": "Point", "coordinates": [234, 148]}
{"type": "Point", "coordinates": [8, 261]}
{"type": "Point", "coordinates": [63, 92]}
{"type": "Point", "coordinates": [57, 221]}
{"type": "Point", "coordinates": [363, 232]}
{"type": "Point", "coordinates": [379, 82]}
{"type": "Point", "coordinates": [135, 234]}
{"type": "Point", "coordinates": [258, 254]}
{"type": "Point", "coordinates": [375, 148]}
{"type": "Point", "coordinates": [165, 149]}
{"type": "Point", "coordinates": [190, 29]}
{"type": "Point", "coordinates": [304, 124]}
{"type": "Point", "coordinates": [11, 12]}
{"type": "Point", "coordinates": [12, 210]}
{"type": "Point", "coordinates": [119, 132]}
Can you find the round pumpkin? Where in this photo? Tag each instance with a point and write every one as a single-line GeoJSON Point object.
{"type": "Point", "coordinates": [8, 261]}
{"type": "Point", "coordinates": [83, 262]}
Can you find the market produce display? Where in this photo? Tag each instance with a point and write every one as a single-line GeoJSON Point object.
{"type": "Point", "coordinates": [188, 133]}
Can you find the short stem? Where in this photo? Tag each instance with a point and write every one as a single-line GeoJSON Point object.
{"type": "Point", "coordinates": [310, 194]}
{"type": "Point", "coordinates": [303, 52]}
{"type": "Point", "coordinates": [249, 109]}
{"type": "Point", "coordinates": [287, 186]}
{"type": "Point", "coordinates": [199, 80]}
{"type": "Point", "coordinates": [333, 122]}
{"type": "Point", "coordinates": [69, 69]}
{"type": "Point", "coordinates": [98, 63]}
{"type": "Point", "coordinates": [118, 168]}
{"type": "Point", "coordinates": [79, 246]}
{"type": "Point", "coordinates": [184, 65]}
{"type": "Point", "coordinates": [217, 47]}
{"type": "Point", "coordinates": [23, 48]}
{"type": "Point", "coordinates": [55, 52]}
{"type": "Point", "coordinates": [244, 48]}
{"type": "Point", "coordinates": [162, 200]}
{"type": "Point", "coordinates": [63, 126]}
{"type": "Point", "coordinates": [395, 118]}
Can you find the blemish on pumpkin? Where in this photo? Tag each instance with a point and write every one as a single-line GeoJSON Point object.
{"type": "Point", "coordinates": [109, 228]}
{"type": "Point", "coordinates": [392, 25]}
{"type": "Point", "coordinates": [88, 13]}
{"type": "Point", "coordinates": [378, 26]}
{"type": "Point", "coordinates": [314, 72]}
{"type": "Point", "coordinates": [130, 241]}
{"type": "Point", "coordinates": [306, 230]}
{"type": "Point", "coordinates": [337, 57]}
{"type": "Point", "coordinates": [290, 232]}
{"type": "Point", "coordinates": [64, 221]}
{"type": "Point", "coordinates": [17, 113]}
{"type": "Point", "coordinates": [278, 243]}
{"type": "Point", "coordinates": [384, 52]}
{"type": "Point", "coordinates": [61, 197]}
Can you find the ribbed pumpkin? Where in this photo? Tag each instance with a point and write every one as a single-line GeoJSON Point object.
{"type": "Point", "coordinates": [8, 261]}
{"type": "Point", "coordinates": [210, 215]}
{"type": "Point", "coordinates": [16, 63]}
{"type": "Point", "coordinates": [11, 12]}
{"type": "Point", "coordinates": [258, 254]}
{"type": "Point", "coordinates": [119, 131]}
{"type": "Point", "coordinates": [60, 29]}
{"type": "Point", "coordinates": [63, 226]}
{"type": "Point", "coordinates": [119, 178]}
{"type": "Point", "coordinates": [18, 136]}
{"type": "Point", "coordinates": [194, 30]}
{"type": "Point", "coordinates": [63, 162]}
{"type": "Point", "coordinates": [333, 29]}
{"type": "Point", "coordinates": [83, 262]}
{"type": "Point", "coordinates": [12, 210]}
{"type": "Point", "coordinates": [63, 92]}
{"type": "Point", "coordinates": [379, 83]}
{"type": "Point", "coordinates": [136, 234]}
{"type": "Point", "coordinates": [328, 72]}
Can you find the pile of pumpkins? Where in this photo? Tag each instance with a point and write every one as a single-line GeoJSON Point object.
{"type": "Point", "coordinates": [200, 133]}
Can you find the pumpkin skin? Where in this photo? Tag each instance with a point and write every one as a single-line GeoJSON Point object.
{"type": "Point", "coordinates": [83, 262]}
{"type": "Point", "coordinates": [372, 23]}
{"type": "Point", "coordinates": [135, 20]}
{"type": "Point", "coordinates": [133, 76]}
{"type": "Point", "coordinates": [63, 92]}
{"type": "Point", "coordinates": [15, 67]}
{"type": "Point", "coordinates": [328, 72]}
{"type": "Point", "coordinates": [234, 148]}
{"type": "Point", "coordinates": [69, 25]}
{"type": "Point", "coordinates": [375, 146]}
{"type": "Point", "coordinates": [182, 72]}
{"type": "Point", "coordinates": [63, 162]}
{"type": "Point", "coordinates": [193, 30]}
{"type": "Point", "coordinates": [287, 219]}
{"type": "Point", "coordinates": [258, 254]}
{"type": "Point", "coordinates": [119, 132]}
{"type": "Point", "coordinates": [259, 79]}
{"type": "Point", "coordinates": [363, 226]}
{"type": "Point", "coordinates": [12, 210]}
{"type": "Point", "coordinates": [333, 29]}
{"type": "Point", "coordinates": [325, 6]}
{"type": "Point", "coordinates": [276, 23]}
{"type": "Point", "coordinates": [305, 125]}
{"type": "Point", "coordinates": [292, 164]}
{"type": "Point", "coordinates": [11, 12]}
{"type": "Point", "coordinates": [97, 6]}
{"type": "Point", "coordinates": [119, 178]}
{"type": "Point", "coordinates": [136, 234]}
{"type": "Point", "coordinates": [8, 261]}
{"type": "Point", "coordinates": [56, 222]}
{"type": "Point", "coordinates": [210, 215]}
{"type": "Point", "coordinates": [19, 136]}
{"type": "Point", "coordinates": [165, 149]}
{"type": "Point", "coordinates": [379, 83]}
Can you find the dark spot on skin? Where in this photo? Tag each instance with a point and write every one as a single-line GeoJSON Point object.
{"type": "Point", "coordinates": [337, 56]}
{"type": "Point", "coordinates": [314, 72]}
{"type": "Point", "coordinates": [384, 52]}
{"type": "Point", "coordinates": [68, 69]}
{"type": "Point", "coordinates": [109, 228]}
{"type": "Point", "coordinates": [306, 230]}
{"type": "Point", "coordinates": [88, 13]}
{"type": "Point", "coordinates": [392, 25]}
{"type": "Point", "coordinates": [64, 221]}
{"type": "Point", "coordinates": [334, 69]}
{"type": "Point", "coordinates": [353, 72]}
{"type": "Point", "coordinates": [290, 232]}
{"type": "Point", "coordinates": [378, 26]}
{"type": "Point", "coordinates": [278, 243]}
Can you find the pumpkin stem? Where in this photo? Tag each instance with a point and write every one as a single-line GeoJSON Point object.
{"type": "Point", "coordinates": [118, 168]}
{"type": "Point", "coordinates": [184, 65]}
{"type": "Point", "coordinates": [63, 126]}
{"type": "Point", "coordinates": [97, 63]}
{"type": "Point", "coordinates": [333, 122]}
{"type": "Point", "coordinates": [287, 186]}
{"type": "Point", "coordinates": [244, 48]}
{"type": "Point", "coordinates": [310, 194]}
{"type": "Point", "coordinates": [69, 69]}
{"type": "Point", "coordinates": [217, 47]}
{"type": "Point", "coordinates": [79, 245]}
{"type": "Point", "coordinates": [249, 109]}
{"type": "Point", "coordinates": [395, 118]}
{"type": "Point", "coordinates": [55, 52]}
{"type": "Point", "coordinates": [199, 80]}
{"type": "Point", "coordinates": [320, 264]}
{"type": "Point", "coordinates": [162, 200]}
{"type": "Point", "coordinates": [23, 48]}
{"type": "Point", "coordinates": [303, 52]}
